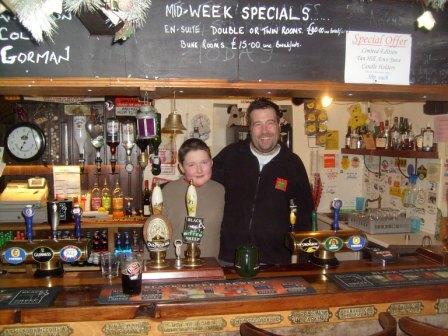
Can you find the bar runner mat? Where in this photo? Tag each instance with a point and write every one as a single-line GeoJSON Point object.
{"type": "Point", "coordinates": [206, 290]}
{"type": "Point", "coordinates": [391, 279]}
{"type": "Point", "coordinates": [27, 297]}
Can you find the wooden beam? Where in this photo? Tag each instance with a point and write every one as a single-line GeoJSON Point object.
{"type": "Point", "coordinates": [200, 88]}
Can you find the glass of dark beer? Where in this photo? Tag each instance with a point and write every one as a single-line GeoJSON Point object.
{"type": "Point", "coordinates": [131, 273]}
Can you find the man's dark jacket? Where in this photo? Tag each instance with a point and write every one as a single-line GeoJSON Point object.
{"type": "Point", "coordinates": [257, 203]}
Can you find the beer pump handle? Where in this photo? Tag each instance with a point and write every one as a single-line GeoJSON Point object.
{"type": "Point", "coordinates": [191, 200]}
{"type": "Point", "coordinates": [292, 215]}
{"type": "Point", "coordinates": [28, 212]}
{"type": "Point", "coordinates": [53, 218]}
{"type": "Point", "coordinates": [337, 205]}
{"type": "Point", "coordinates": [77, 212]}
{"type": "Point", "coordinates": [314, 221]}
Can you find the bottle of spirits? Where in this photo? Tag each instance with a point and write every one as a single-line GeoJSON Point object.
{"type": "Point", "coordinates": [118, 244]}
{"type": "Point", "coordinates": [113, 139]}
{"type": "Point", "coordinates": [411, 138]}
{"type": "Point", "coordinates": [348, 137]}
{"type": "Point", "coordinates": [117, 201]}
{"type": "Point", "coordinates": [155, 143]}
{"type": "Point", "coordinates": [419, 140]}
{"type": "Point", "coordinates": [387, 134]}
{"type": "Point", "coordinates": [127, 249]}
{"type": "Point", "coordinates": [428, 139]}
{"type": "Point", "coordinates": [395, 135]}
{"type": "Point", "coordinates": [80, 135]}
{"type": "Point", "coordinates": [106, 198]}
{"type": "Point", "coordinates": [402, 132]}
{"type": "Point", "coordinates": [135, 241]}
{"type": "Point", "coordinates": [405, 145]}
{"type": "Point", "coordinates": [96, 247]}
{"type": "Point", "coordinates": [96, 197]}
{"type": "Point", "coordinates": [104, 242]}
{"type": "Point", "coordinates": [353, 139]}
{"type": "Point", "coordinates": [381, 141]}
{"type": "Point", "coordinates": [146, 200]}
{"type": "Point", "coordinates": [128, 207]}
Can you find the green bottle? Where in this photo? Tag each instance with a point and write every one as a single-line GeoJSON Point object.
{"type": "Point", "coordinates": [106, 198]}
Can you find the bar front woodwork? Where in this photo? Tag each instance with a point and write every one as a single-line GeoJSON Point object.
{"type": "Point", "coordinates": [76, 304]}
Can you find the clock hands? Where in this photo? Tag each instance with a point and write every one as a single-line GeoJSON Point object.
{"type": "Point", "coordinates": [25, 139]}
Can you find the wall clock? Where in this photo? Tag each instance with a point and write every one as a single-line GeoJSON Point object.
{"type": "Point", "coordinates": [25, 142]}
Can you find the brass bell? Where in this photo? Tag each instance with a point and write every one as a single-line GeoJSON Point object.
{"type": "Point", "coordinates": [173, 124]}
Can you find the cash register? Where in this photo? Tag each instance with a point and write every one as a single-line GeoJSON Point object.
{"type": "Point", "coordinates": [18, 194]}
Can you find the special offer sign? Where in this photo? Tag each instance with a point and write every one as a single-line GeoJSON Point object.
{"type": "Point", "coordinates": [377, 58]}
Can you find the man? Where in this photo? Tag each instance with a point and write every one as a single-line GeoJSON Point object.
{"type": "Point", "coordinates": [261, 176]}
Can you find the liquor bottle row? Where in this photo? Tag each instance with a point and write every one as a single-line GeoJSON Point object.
{"type": "Point", "coordinates": [142, 130]}
{"type": "Point", "coordinates": [125, 243]}
{"type": "Point", "coordinates": [113, 201]}
{"type": "Point", "coordinates": [398, 136]}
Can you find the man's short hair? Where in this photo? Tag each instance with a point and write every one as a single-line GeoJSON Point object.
{"type": "Point", "coordinates": [191, 145]}
{"type": "Point", "coordinates": [263, 103]}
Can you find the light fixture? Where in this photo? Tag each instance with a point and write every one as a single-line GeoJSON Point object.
{"type": "Point", "coordinates": [326, 101]}
{"type": "Point", "coordinates": [173, 123]}
{"type": "Point", "coordinates": [426, 20]}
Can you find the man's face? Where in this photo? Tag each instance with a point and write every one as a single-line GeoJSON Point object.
{"type": "Point", "coordinates": [264, 129]}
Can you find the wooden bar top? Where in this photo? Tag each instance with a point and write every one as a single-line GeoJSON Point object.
{"type": "Point", "coordinates": [77, 300]}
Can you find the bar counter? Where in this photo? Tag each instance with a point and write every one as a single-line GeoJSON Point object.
{"type": "Point", "coordinates": [76, 311]}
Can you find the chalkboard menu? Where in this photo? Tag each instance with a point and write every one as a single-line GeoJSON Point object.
{"type": "Point", "coordinates": [289, 40]}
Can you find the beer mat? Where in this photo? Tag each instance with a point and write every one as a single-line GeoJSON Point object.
{"type": "Point", "coordinates": [391, 279]}
{"type": "Point", "coordinates": [27, 297]}
{"type": "Point", "coordinates": [210, 290]}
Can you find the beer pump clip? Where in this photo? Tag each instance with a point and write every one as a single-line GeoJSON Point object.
{"type": "Point", "coordinates": [157, 232]}
{"type": "Point", "coordinates": [193, 230]}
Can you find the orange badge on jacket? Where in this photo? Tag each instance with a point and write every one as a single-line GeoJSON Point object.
{"type": "Point", "coordinates": [281, 184]}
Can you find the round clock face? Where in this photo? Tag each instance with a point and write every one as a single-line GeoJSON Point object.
{"type": "Point", "coordinates": [25, 142]}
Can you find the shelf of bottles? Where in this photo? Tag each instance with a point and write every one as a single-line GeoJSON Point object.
{"type": "Point", "coordinates": [392, 153]}
{"type": "Point", "coordinates": [397, 140]}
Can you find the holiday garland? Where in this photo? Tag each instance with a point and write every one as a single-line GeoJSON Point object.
{"type": "Point", "coordinates": [37, 15]}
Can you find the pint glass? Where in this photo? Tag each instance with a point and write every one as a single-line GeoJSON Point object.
{"type": "Point", "coordinates": [131, 273]}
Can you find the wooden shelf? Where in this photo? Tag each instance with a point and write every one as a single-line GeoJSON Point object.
{"type": "Point", "coordinates": [86, 224]}
{"type": "Point", "coordinates": [112, 227]}
{"type": "Point", "coordinates": [393, 153]}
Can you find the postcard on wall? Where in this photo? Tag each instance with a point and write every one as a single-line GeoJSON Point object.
{"type": "Point", "coordinates": [67, 181]}
{"type": "Point", "coordinates": [332, 140]}
{"type": "Point", "coordinates": [168, 155]}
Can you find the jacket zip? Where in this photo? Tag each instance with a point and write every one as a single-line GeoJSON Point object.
{"type": "Point", "coordinates": [253, 208]}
